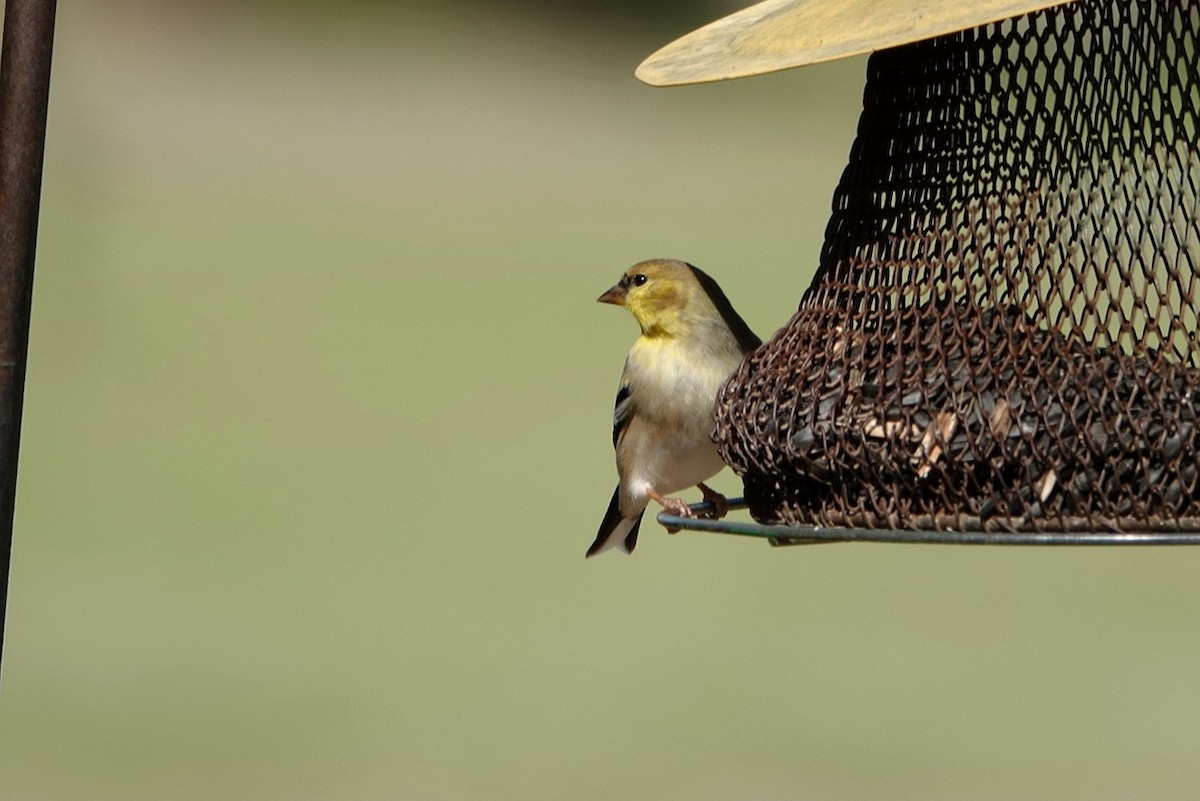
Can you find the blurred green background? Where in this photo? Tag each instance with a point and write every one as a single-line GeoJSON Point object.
{"type": "Point", "coordinates": [317, 431]}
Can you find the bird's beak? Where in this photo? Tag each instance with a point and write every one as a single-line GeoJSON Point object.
{"type": "Point", "coordinates": [615, 296]}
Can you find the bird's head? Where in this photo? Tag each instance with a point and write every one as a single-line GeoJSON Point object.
{"type": "Point", "coordinates": [658, 293]}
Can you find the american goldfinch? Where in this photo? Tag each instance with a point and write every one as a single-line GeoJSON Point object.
{"type": "Point", "coordinates": [691, 341]}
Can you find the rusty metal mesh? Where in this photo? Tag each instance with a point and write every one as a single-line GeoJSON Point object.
{"type": "Point", "coordinates": [1002, 333]}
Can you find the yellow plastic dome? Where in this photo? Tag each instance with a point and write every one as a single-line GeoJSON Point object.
{"type": "Point", "coordinates": [779, 34]}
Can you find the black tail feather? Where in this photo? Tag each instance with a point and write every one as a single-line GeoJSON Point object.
{"type": "Point", "coordinates": [631, 537]}
{"type": "Point", "coordinates": [608, 527]}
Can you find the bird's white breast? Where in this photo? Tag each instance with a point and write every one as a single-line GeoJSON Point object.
{"type": "Point", "coordinates": [674, 389]}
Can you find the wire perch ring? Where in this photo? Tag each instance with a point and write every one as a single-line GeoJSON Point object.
{"type": "Point", "coordinates": [779, 535]}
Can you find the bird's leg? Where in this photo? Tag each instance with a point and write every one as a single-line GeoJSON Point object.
{"type": "Point", "coordinates": [720, 505]}
{"type": "Point", "coordinates": [675, 506]}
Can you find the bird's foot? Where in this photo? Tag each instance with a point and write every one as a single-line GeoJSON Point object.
{"type": "Point", "coordinates": [719, 503]}
{"type": "Point", "coordinates": [676, 506]}
{"type": "Point", "coordinates": [673, 506]}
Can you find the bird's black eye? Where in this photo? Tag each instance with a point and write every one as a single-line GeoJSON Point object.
{"type": "Point", "coordinates": [639, 279]}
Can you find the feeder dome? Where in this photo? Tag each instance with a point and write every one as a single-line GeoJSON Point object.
{"type": "Point", "coordinates": [779, 34]}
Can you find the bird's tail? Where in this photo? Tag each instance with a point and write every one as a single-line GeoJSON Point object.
{"type": "Point", "coordinates": [616, 531]}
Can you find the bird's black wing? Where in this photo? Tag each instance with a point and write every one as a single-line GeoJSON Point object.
{"type": "Point", "coordinates": [747, 340]}
{"type": "Point", "coordinates": [622, 411]}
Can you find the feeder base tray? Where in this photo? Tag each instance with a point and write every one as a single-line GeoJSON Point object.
{"type": "Point", "coordinates": [1182, 532]}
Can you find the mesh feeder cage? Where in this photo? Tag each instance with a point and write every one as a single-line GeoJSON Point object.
{"type": "Point", "coordinates": [1001, 341]}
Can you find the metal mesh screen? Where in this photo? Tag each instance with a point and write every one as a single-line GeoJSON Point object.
{"type": "Point", "coordinates": [1003, 331]}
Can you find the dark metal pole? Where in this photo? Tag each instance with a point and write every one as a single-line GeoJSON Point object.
{"type": "Point", "coordinates": [24, 94]}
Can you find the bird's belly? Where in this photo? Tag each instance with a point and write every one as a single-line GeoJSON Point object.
{"type": "Point", "coordinates": [677, 461]}
{"type": "Point", "coordinates": [691, 466]}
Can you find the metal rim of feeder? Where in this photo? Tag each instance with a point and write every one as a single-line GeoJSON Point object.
{"type": "Point", "coordinates": [780, 535]}
{"type": "Point", "coordinates": [781, 34]}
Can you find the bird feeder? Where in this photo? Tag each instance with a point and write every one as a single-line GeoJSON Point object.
{"type": "Point", "coordinates": [1001, 342]}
